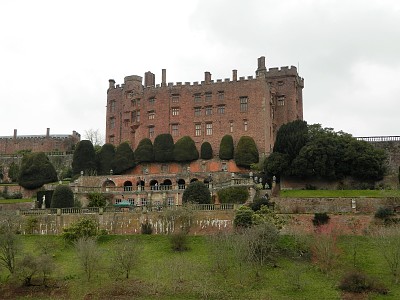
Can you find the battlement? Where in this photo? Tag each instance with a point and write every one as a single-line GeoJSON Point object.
{"type": "Point", "coordinates": [149, 82]}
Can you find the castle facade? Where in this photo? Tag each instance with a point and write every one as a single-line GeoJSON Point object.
{"type": "Point", "coordinates": [206, 111]}
{"type": "Point", "coordinates": [38, 143]}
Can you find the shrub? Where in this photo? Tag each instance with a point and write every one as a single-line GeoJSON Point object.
{"type": "Point", "coordinates": [320, 219]}
{"type": "Point", "coordinates": [144, 151]}
{"type": "Point", "coordinates": [62, 197]}
{"type": "Point", "coordinates": [13, 172]}
{"type": "Point", "coordinates": [243, 217]}
{"type": "Point", "coordinates": [97, 199]}
{"type": "Point", "coordinates": [146, 228]}
{"type": "Point", "coordinates": [163, 148]}
{"type": "Point", "coordinates": [185, 150]}
{"type": "Point", "coordinates": [36, 170]}
{"type": "Point", "coordinates": [246, 152]}
{"type": "Point", "coordinates": [206, 151]}
{"type": "Point", "coordinates": [179, 241]}
{"type": "Point", "coordinates": [233, 195]}
{"type": "Point", "coordinates": [197, 192]}
{"type": "Point", "coordinates": [384, 213]}
{"type": "Point", "coordinates": [226, 147]}
{"type": "Point", "coordinates": [358, 282]}
{"type": "Point", "coordinates": [83, 228]}
{"type": "Point", "coordinates": [258, 202]}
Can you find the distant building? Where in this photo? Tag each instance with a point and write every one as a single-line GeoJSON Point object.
{"type": "Point", "coordinates": [38, 143]}
{"type": "Point", "coordinates": [206, 111]}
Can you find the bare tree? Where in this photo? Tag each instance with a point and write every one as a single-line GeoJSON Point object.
{"type": "Point", "coordinates": [125, 257]}
{"type": "Point", "coordinates": [88, 255]}
{"type": "Point", "coordinates": [94, 136]}
{"type": "Point", "coordinates": [9, 241]}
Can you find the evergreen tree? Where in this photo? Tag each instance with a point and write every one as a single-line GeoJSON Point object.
{"type": "Point", "coordinates": [197, 192]}
{"type": "Point", "coordinates": [246, 152]}
{"type": "Point", "coordinates": [163, 148]}
{"type": "Point", "coordinates": [226, 147]}
{"type": "Point", "coordinates": [124, 159]}
{"type": "Point", "coordinates": [206, 151]}
{"type": "Point", "coordinates": [185, 150]}
{"type": "Point", "coordinates": [36, 170]}
{"type": "Point", "coordinates": [144, 151]}
{"type": "Point", "coordinates": [84, 158]}
{"type": "Point", "coordinates": [63, 197]}
{"type": "Point", "coordinates": [104, 159]}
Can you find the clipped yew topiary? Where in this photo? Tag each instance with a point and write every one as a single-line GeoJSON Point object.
{"type": "Point", "coordinates": [197, 192]}
{"type": "Point", "coordinates": [144, 151]}
{"type": "Point", "coordinates": [84, 158]}
{"type": "Point", "coordinates": [234, 194]}
{"type": "Point", "coordinates": [62, 197]}
{"type": "Point", "coordinates": [104, 159]}
{"type": "Point", "coordinates": [36, 170]}
{"type": "Point", "coordinates": [206, 151]}
{"type": "Point", "coordinates": [185, 150]}
{"type": "Point", "coordinates": [163, 148]}
{"type": "Point", "coordinates": [226, 147]}
{"type": "Point", "coordinates": [246, 152]}
{"type": "Point", "coordinates": [124, 159]}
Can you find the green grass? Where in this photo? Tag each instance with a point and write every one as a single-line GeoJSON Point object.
{"type": "Point", "coordinates": [339, 193]}
{"type": "Point", "coordinates": [161, 273]}
{"type": "Point", "coordinates": [10, 201]}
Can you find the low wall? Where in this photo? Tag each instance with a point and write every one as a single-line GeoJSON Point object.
{"type": "Point", "coordinates": [332, 205]}
{"type": "Point", "coordinates": [203, 222]}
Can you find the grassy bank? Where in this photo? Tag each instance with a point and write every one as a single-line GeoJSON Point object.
{"type": "Point", "coordinates": [161, 273]}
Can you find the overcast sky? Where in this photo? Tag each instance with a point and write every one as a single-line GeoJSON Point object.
{"type": "Point", "coordinates": [56, 56]}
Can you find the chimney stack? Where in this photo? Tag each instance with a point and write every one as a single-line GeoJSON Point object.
{"type": "Point", "coordinates": [234, 75]}
{"type": "Point", "coordinates": [111, 83]}
{"type": "Point", "coordinates": [15, 134]}
{"type": "Point", "coordinates": [207, 77]}
{"type": "Point", "coordinates": [261, 69]}
{"type": "Point", "coordinates": [149, 79]}
{"type": "Point", "coordinates": [164, 77]}
{"type": "Point", "coordinates": [48, 133]}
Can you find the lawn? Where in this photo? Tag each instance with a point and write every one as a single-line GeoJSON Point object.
{"type": "Point", "coordinates": [10, 201]}
{"type": "Point", "coordinates": [161, 273]}
{"type": "Point", "coordinates": [339, 193]}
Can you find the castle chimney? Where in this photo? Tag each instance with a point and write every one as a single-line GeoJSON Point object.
{"type": "Point", "coordinates": [164, 77]}
{"type": "Point", "coordinates": [234, 75]}
{"type": "Point", "coordinates": [48, 133]}
{"type": "Point", "coordinates": [149, 79]}
{"type": "Point", "coordinates": [111, 83]}
{"type": "Point", "coordinates": [207, 77]}
{"type": "Point", "coordinates": [15, 134]}
{"type": "Point", "coordinates": [261, 69]}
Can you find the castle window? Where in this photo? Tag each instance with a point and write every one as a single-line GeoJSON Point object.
{"type": "Point", "coordinates": [175, 111]}
{"type": "Point", "coordinates": [152, 100]}
{"type": "Point", "coordinates": [197, 129]}
{"type": "Point", "coordinates": [208, 96]}
{"type": "Point", "coordinates": [151, 131]}
{"type": "Point", "coordinates": [197, 98]}
{"type": "Point", "coordinates": [111, 139]}
{"type": "Point", "coordinates": [151, 114]}
{"type": "Point", "coordinates": [209, 129]}
{"type": "Point", "coordinates": [135, 102]}
{"type": "Point", "coordinates": [175, 98]}
{"type": "Point", "coordinates": [280, 82]}
{"type": "Point", "coordinates": [175, 129]}
{"type": "Point", "coordinates": [281, 100]}
{"type": "Point", "coordinates": [112, 123]}
{"type": "Point", "coordinates": [208, 110]}
{"type": "Point", "coordinates": [243, 104]}
{"type": "Point", "coordinates": [231, 126]}
{"type": "Point", "coordinates": [221, 109]}
{"type": "Point", "coordinates": [112, 106]}
{"type": "Point", "coordinates": [170, 201]}
{"type": "Point", "coordinates": [136, 116]}
{"type": "Point", "coordinates": [245, 125]}
{"type": "Point", "coordinates": [220, 95]}
{"type": "Point", "coordinates": [197, 111]}
{"type": "Point", "coordinates": [143, 201]}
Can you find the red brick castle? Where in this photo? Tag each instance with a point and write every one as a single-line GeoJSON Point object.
{"type": "Point", "coordinates": [206, 111]}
